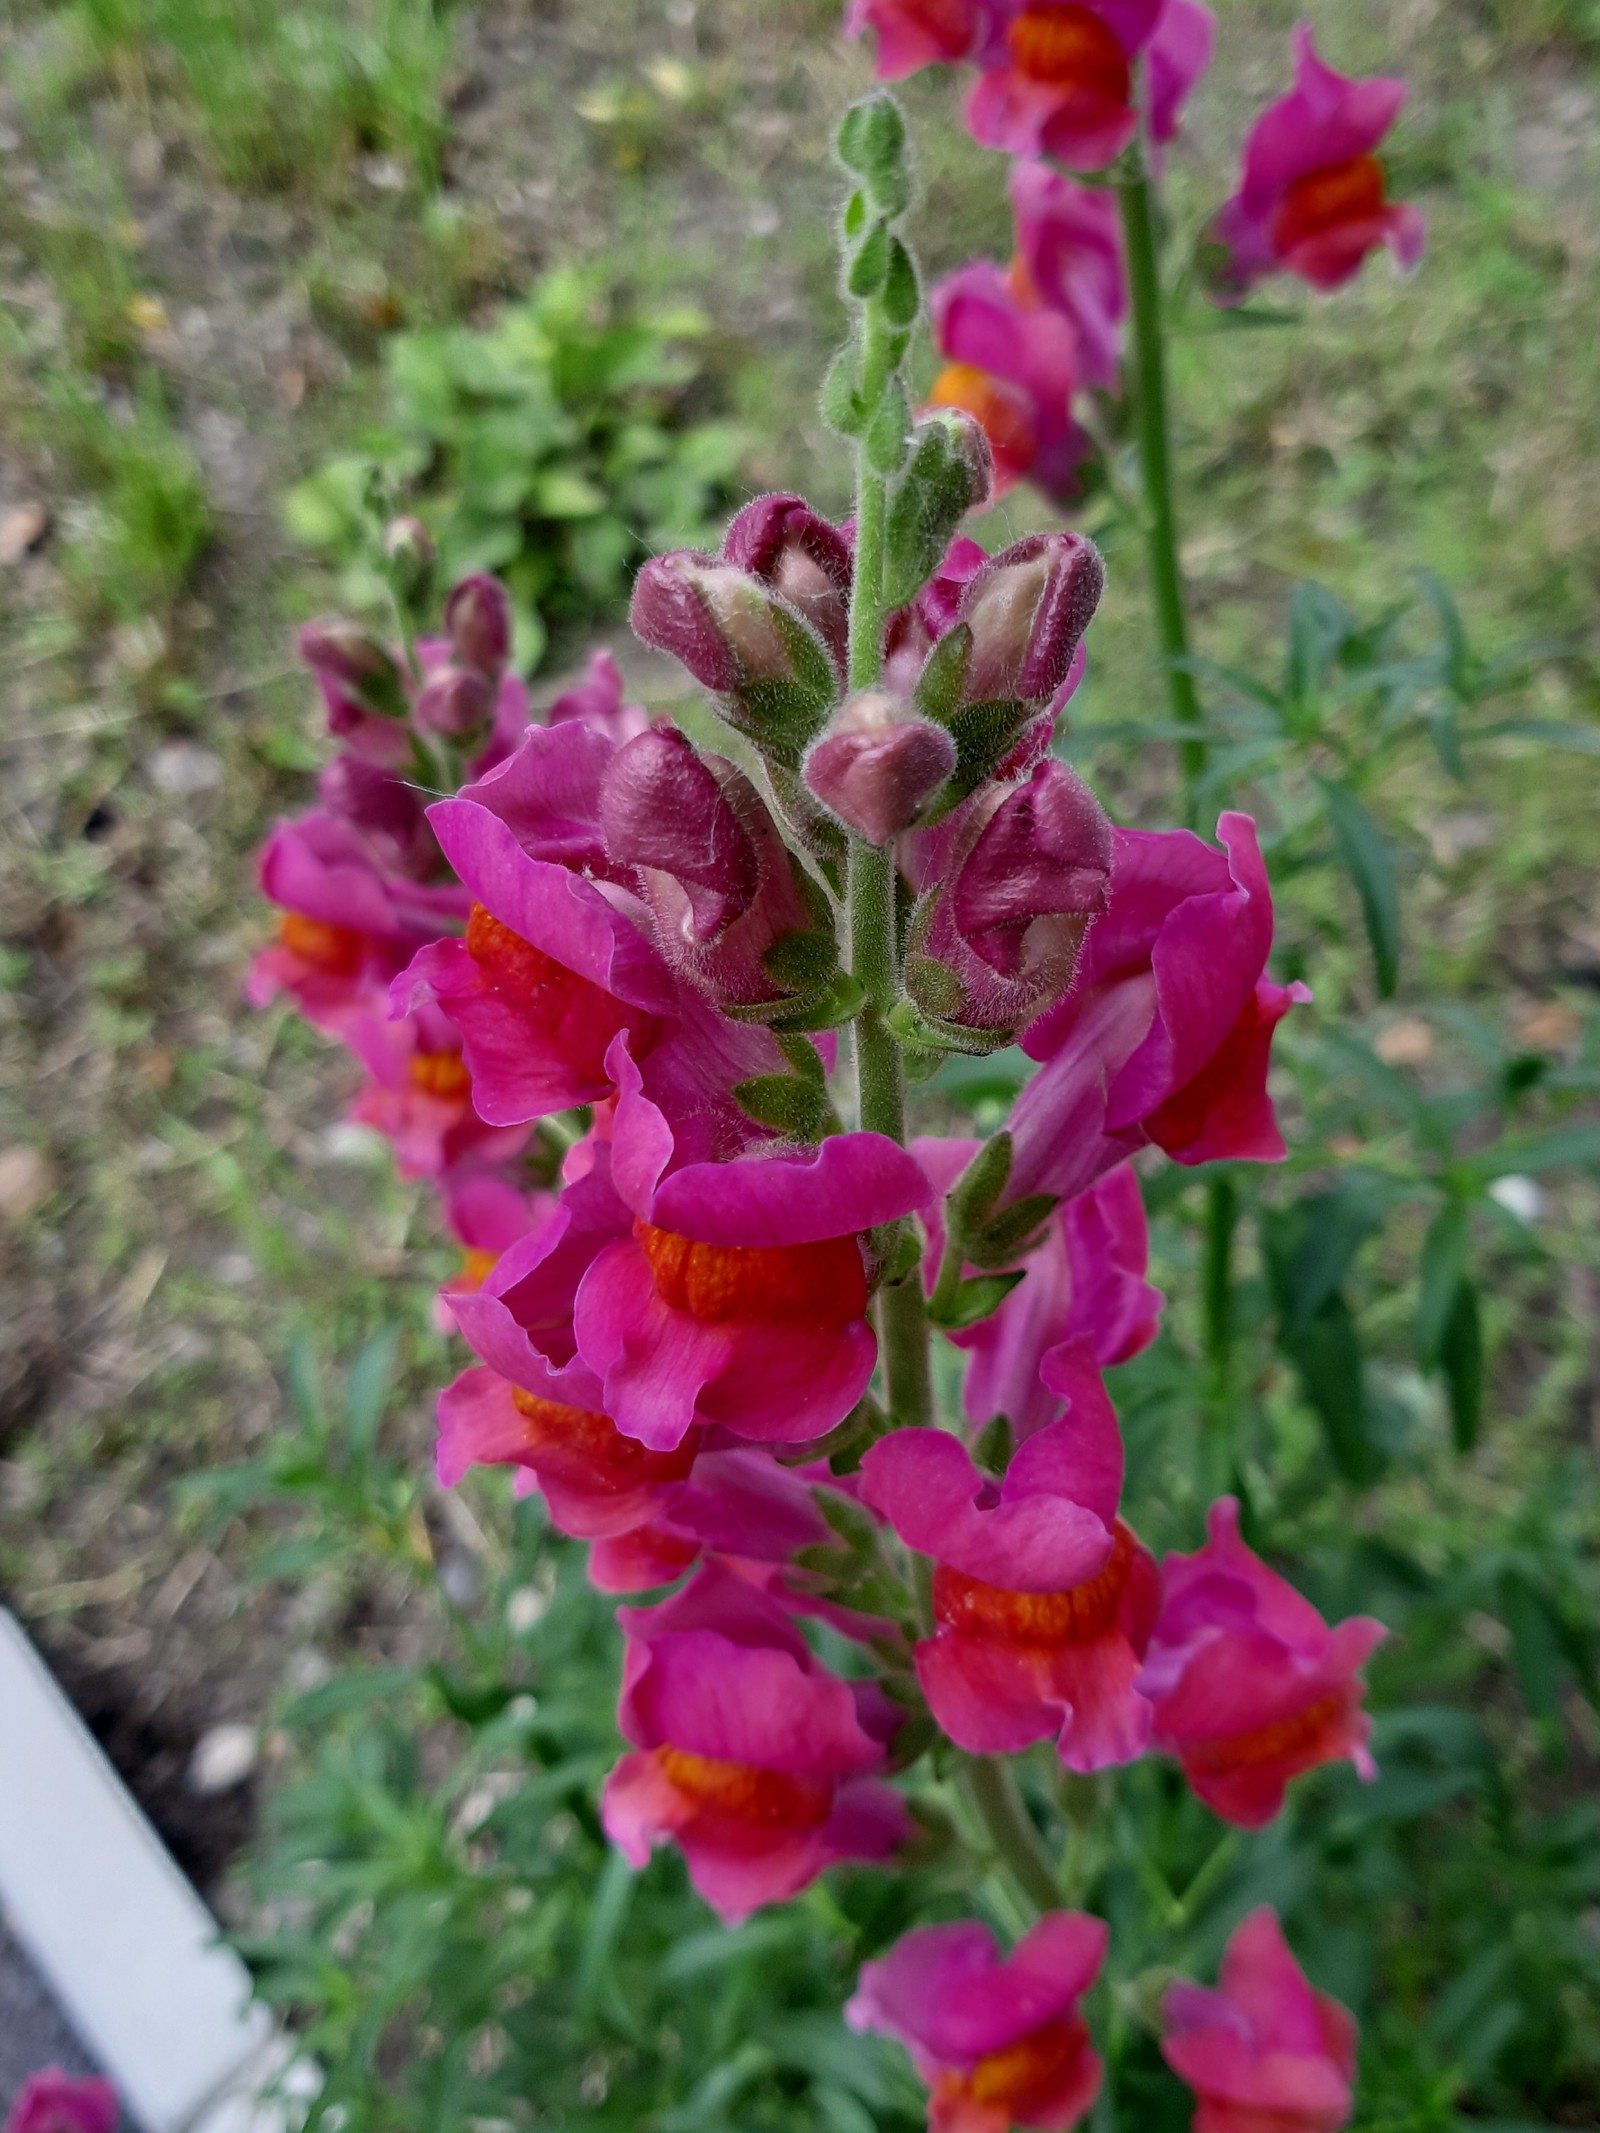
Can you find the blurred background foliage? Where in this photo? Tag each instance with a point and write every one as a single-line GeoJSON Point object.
{"type": "Point", "coordinates": [560, 277]}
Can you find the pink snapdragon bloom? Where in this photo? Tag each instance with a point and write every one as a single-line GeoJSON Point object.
{"type": "Point", "coordinates": [1312, 196]}
{"type": "Point", "coordinates": [551, 967]}
{"type": "Point", "coordinates": [741, 1506]}
{"type": "Point", "coordinates": [1062, 87]}
{"type": "Point", "coordinates": [1264, 2050]}
{"type": "Point", "coordinates": [419, 1093]}
{"type": "Point", "coordinates": [737, 1292]}
{"type": "Point", "coordinates": [1167, 1032]}
{"type": "Point", "coordinates": [1250, 1686]}
{"type": "Point", "coordinates": [1085, 1279]}
{"type": "Point", "coordinates": [1069, 258]}
{"type": "Point", "coordinates": [763, 1767]}
{"type": "Point", "coordinates": [346, 926]}
{"type": "Point", "coordinates": [998, 2039]}
{"type": "Point", "coordinates": [911, 34]}
{"type": "Point", "coordinates": [1013, 366]}
{"type": "Point", "coordinates": [55, 2102]}
{"type": "Point", "coordinates": [599, 701]}
{"type": "Point", "coordinates": [1043, 1599]}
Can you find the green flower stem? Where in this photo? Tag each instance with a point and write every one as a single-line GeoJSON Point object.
{"type": "Point", "coordinates": [1136, 198]}
{"type": "Point", "coordinates": [1222, 1218]}
{"type": "Point", "coordinates": [991, 1786]}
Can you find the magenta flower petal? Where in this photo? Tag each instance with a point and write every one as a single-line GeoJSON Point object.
{"type": "Point", "coordinates": [1031, 1538]}
{"type": "Point", "coordinates": [52, 2101]}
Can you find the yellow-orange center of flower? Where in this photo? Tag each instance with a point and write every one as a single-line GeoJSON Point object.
{"type": "Point", "coordinates": [1326, 199]}
{"type": "Point", "coordinates": [998, 412]}
{"type": "Point", "coordinates": [557, 1003]}
{"type": "Point", "coordinates": [1022, 2077]}
{"type": "Point", "coordinates": [334, 949]}
{"type": "Point", "coordinates": [744, 1792]}
{"type": "Point", "coordinates": [817, 1284]}
{"type": "Point", "coordinates": [476, 1267]}
{"type": "Point", "coordinates": [592, 1446]}
{"type": "Point", "coordinates": [1061, 46]}
{"type": "Point", "coordinates": [1264, 1744]}
{"type": "Point", "coordinates": [1047, 1619]}
{"type": "Point", "coordinates": [441, 1074]}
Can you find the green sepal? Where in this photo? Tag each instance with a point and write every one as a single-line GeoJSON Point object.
{"type": "Point", "coordinates": [902, 294]}
{"type": "Point", "coordinates": [973, 1196]}
{"type": "Point", "coordinates": [933, 985]}
{"type": "Point", "coordinates": [943, 679]}
{"type": "Point", "coordinates": [869, 268]}
{"type": "Point", "coordinates": [855, 216]}
{"type": "Point", "coordinates": [802, 962]}
{"type": "Point", "coordinates": [805, 1059]}
{"type": "Point", "coordinates": [856, 1527]}
{"type": "Point", "coordinates": [865, 1422]}
{"type": "Point", "coordinates": [992, 1451]}
{"type": "Point", "coordinates": [842, 407]}
{"type": "Point", "coordinates": [911, 1028]}
{"type": "Point", "coordinates": [871, 142]}
{"type": "Point", "coordinates": [975, 1299]}
{"type": "Point", "coordinates": [1007, 1236]}
{"type": "Point", "coordinates": [781, 717]}
{"type": "Point", "coordinates": [841, 1003]}
{"type": "Point", "coordinates": [812, 668]}
{"type": "Point", "coordinates": [799, 1109]}
{"type": "Point", "coordinates": [886, 442]}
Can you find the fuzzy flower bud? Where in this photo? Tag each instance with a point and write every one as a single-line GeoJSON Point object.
{"type": "Point", "coordinates": [803, 557]}
{"type": "Point", "coordinates": [735, 913]}
{"type": "Point", "coordinates": [662, 808]}
{"type": "Point", "coordinates": [353, 669]}
{"type": "Point", "coordinates": [456, 701]}
{"type": "Point", "coordinates": [409, 551]}
{"type": "Point", "coordinates": [877, 763]}
{"type": "Point", "coordinates": [477, 619]}
{"type": "Point", "coordinates": [1028, 608]}
{"type": "Point", "coordinates": [1011, 883]}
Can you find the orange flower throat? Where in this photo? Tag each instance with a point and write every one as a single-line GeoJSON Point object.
{"type": "Point", "coordinates": [743, 1792]}
{"type": "Point", "coordinates": [441, 1074]}
{"type": "Point", "coordinates": [1282, 1737]}
{"type": "Point", "coordinates": [1024, 2078]}
{"type": "Point", "coordinates": [333, 949]}
{"type": "Point", "coordinates": [1061, 46]}
{"type": "Point", "coordinates": [590, 1449]}
{"type": "Point", "coordinates": [1048, 1619]}
{"type": "Point", "coordinates": [559, 1005]}
{"type": "Point", "coordinates": [793, 1284]}
{"type": "Point", "coordinates": [1327, 199]}
{"type": "Point", "coordinates": [997, 410]}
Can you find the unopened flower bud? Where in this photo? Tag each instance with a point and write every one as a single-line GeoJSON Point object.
{"type": "Point", "coordinates": [803, 557]}
{"type": "Point", "coordinates": [1028, 608]}
{"type": "Point", "coordinates": [351, 665]}
{"type": "Point", "coordinates": [477, 619]}
{"type": "Point", "coordinates": [386, 810]}
{"type": "Point", "coordinates": [456, 701]}
{"type": "Point", "coordinates": [662, 808]}
{"type": "Point", "coordinates": [409, 551]}
{"type": "Point", "coordinates": [876, 764]}
{"type": "Point", "coordinates": [1011, 884]}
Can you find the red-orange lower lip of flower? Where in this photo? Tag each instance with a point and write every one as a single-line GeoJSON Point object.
{"type": "Point", "coordinates": [1041, 1619]}
{"type": "Point", "coordinates": [334, 949]}
{"type": "Point", "coordinates": [997, 410]}
{"type": "Point", "coordinates": [1024, 2076]}
{"type": "Point", "coordinates": [807, 1284]}
{"type": "Point", "coordinates": [743, 1792]}
{"type": "Point", "coordinates": [1065, 47]}
{"type": "Point", "coordinates": [1325, 200]}
{"type": "Point", "coordinates": [590, 1447]}
{"type": "Point", "coordinates": [441, 1074]}
{"type": "Point", "coordinates": [1282, 1738]}
{"type": "Point", "coordinates": [557, 1003]}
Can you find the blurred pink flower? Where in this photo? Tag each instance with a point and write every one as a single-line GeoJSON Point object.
{"type": "Point", "coordinates": [55, 2102]}
{"type": "Point", "coordinates": [1264, 2050]}
{"type": "Point", "coordinates": [1174, 60]}
{"type": "Point", "coordinates": [1249, 1685]}
{"type": "Point", "coordinates": [998, 2039]}
{"type": "Point", "coordinates": [1043, 1599]}
{"type": "Point", "coordinates": [757, 1762]}
{"type": "Point", "coordinates": [1166, 1034]}
{"type": "Point", "coordinates": [1062, 86]}
{"type": "Point", "coordinates": [1313, 197]}
{"type": "Point", "coordinates": [1069, 258]}
{"type": "Point", "coordinates": [1013, 365]}
{"type": "Point", "coordinates": [923, 33]}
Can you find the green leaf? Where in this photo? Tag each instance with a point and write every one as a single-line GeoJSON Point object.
{"type": "Point", "coordinates": [1310, 1246]}
{"type": "Point", "coordinates": [1327, 1357]}
{"type": "Point", "coordinates": [1444, 1266]}
{"type": "Point", "coordinates": [367, 1393]}
{"type": "Point", "coordinates": [869, 266]}
{"type": "Point", "coordinates": [1367, 861]}
{"type": "Point", "coordinates": [975, 1192]}
{"type": "Point", "coordinates": [975, 1299]}
{"type": "Point", "coordinates": [1564, 1148]}
{"type": "Point", "coordinates": [902, 297]}
{"type": "Point", "coordinates": [1461, 1358]}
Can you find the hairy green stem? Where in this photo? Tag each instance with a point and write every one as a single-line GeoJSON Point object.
{"type": "Point", "coordinates": [991, 1786]}
{"type": "Point", "coordinates": [1222, 1219]}
{"type": "Point", "coordinates": [1137, 201]}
